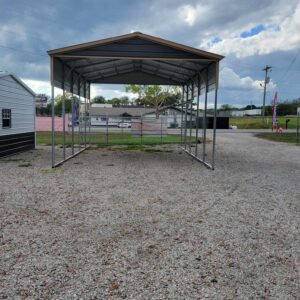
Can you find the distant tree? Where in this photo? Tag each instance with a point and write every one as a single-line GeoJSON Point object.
{"type": "Point", "coordinates": [136, 89]}
{"type": "Point", "coordinates": [226, 107]}
{"type": "Point", "coordinates": [99, 99]}
{"type": "Point", "coordinates": [124, 100]}
{"type": "Point", "coordinates": [154, 95]}
{"type": "Point", "coordinates": [68, 103]}
{"type": "Point", "coordinates": [114, 101]}
{"type": "Point", "coordinates": [174, 98]}
{"type": "Point", "coordinates": [250, 106]}
{"type": "Point", "coordinates": [287, 107]}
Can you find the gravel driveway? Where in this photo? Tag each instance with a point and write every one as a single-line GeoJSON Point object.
{"type": "Point", "coordinates": [146, 225]}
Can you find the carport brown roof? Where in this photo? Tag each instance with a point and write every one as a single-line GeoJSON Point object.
{"type": "Point", "coordinates": [65, 50]}
{"type": "Point", "coordinates": [134, 58]}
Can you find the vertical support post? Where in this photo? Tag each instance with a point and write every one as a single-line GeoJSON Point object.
{"type": "Point", "coordinates": [204, 116]}
{"type": "Point", "coordinates": [79, 115]}
{"type": "Point", "coordinates": [89, 91]}
{"type": "Point", "coordinates": [181, 131]}
{"type": "Point", "coordinates": [197, 114]}
{"type": "Point", "coordinates": [72, 109]}
{"type": "Point", "coordinates": [64, 112]}
{"type": "Point", "coordinates": [106, 129]}
{"type": "Point", "coordinates": [215, 118]}
{"type": "Point", "coordinates": [141, 120]}
{"type": "Point", "coordinates": [122, 129]}
{"type": "Point", "coordinates": [161, 128]}
{"type": "Point", "coordinates": [186, 108]}
{"type": "Point", "coordinates": [53, 115]}
{"type": "Point", "coordinates": [191, 117]}
{"type": "Point", "coordinates": [297, 131]}
{"type": "Point", "coordinates": [85, 112]}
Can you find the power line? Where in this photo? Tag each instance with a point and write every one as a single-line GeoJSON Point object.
{"type": "Point", "coordinates": [289, 67]}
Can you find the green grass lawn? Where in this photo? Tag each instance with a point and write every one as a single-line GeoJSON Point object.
{"type": "Point", "coordinates": [99, 138]}
{"type": "Point", "coordinates": [276, 137]}
{"type": "Point", "coordinates": [256, 122]}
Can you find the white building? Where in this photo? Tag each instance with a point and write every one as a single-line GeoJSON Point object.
{"type": "Point", "coordinates": [246, 112]}
{"type": "Point", "coordinates": [17, 111]}
{"type": "Point", "coordinates": [101, 105]}
{"type": "Point", "coordinates": [173, 116]}
{"type": "Point", "coordinates": [112, 116]}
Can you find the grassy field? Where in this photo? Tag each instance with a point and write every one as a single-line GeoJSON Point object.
{"type": "Point", "coordinates": [99, 138]}
{"type": "Point", "coordinates": [285, 137]}
{"type": "Point", "coordinates": [257, 123]}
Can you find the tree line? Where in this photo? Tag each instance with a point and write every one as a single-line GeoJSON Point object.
{"type": "Point", "coordinates": [149, 95]}
{"type": "Point", "coordinates": [157, 97]}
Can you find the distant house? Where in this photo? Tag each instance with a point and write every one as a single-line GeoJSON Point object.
{"type": "Point", "coordinates": [173, 115]}
{"type": "Point", "coordinates": [112, 116]}
{"type": "Point", "coordinates": [17, 109]}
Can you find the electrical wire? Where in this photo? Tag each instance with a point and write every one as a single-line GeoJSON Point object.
{"type": "Point", "coordinates": [289, 68]}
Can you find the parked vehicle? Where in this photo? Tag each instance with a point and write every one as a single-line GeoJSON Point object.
{"type": "Point", "coordinates": [124, 125]}
{"type": "Point", "coordinates": [233, 127]}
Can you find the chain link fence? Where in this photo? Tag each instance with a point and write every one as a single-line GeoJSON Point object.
{"type": "Point", "coordinates": [113, 130]}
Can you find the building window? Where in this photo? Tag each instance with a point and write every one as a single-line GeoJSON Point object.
{"type": "Point", "coordinates": [6, 118]}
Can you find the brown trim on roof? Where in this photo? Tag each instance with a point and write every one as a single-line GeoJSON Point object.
{"type": "Point", "coordinates": [154, 39]}
{"type": "Point", "coordinates": [134, 58]}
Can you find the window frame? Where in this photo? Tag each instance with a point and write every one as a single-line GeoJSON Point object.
{"type": "Point", "coordinates": [6, 115]}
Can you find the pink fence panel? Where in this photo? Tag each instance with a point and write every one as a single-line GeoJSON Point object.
{"type": "Point", "coordinates": [45, 123]}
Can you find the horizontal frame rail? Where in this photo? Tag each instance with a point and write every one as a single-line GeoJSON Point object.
{"type": "Point", "coordinates": [69, 157]}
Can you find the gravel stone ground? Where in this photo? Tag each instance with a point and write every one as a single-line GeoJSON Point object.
{"type": "Point", "coordinates": [145, 225]}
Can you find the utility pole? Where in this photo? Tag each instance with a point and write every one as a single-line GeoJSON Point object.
{"type": "Point", "coordinates": [267, 80]}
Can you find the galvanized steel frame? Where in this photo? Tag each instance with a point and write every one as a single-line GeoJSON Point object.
{"type": "Point", "coordinates": [86, 119]}
{"type": "Point", "coordinates": [187, 102]}
{"type": "Point", "coordinates": [190, 72]}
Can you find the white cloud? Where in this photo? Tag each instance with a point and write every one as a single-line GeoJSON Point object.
{"type": "Point", "coordinates": [39, 86]}
{"type": "Point", "coordinates": [283, 37]}
{"type": "Point", "coordinates": [191, 14]}
{"type": "Point", "coordinates": [231, 80]}
{"type": "Point", "coordinates": [44, 87]}
{"type": "Point", "coordinates": [242, 90]}
{"type": "Point", "coordinates": [98, 90]}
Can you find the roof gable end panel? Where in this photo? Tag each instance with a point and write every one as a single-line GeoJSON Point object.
{"type": "Point", "coordinates": [134, 48]}
{"type": "Point", "coordinates": [137, 40]}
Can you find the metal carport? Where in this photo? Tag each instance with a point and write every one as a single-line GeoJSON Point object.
{"type": "Point", "coordinates": [136, 58]}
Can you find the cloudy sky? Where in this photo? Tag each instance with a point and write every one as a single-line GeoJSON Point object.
{"type": "Point", "coordinates": [250, 34]}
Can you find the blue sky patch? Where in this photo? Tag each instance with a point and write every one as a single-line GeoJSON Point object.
{"type": "Point", "coordinates": [216, 40]}
{"type": "Point", "coordinates": [253, 31]}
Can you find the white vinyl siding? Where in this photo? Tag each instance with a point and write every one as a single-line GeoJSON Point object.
{"type": "Point", "coordinates": [21, 102]}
